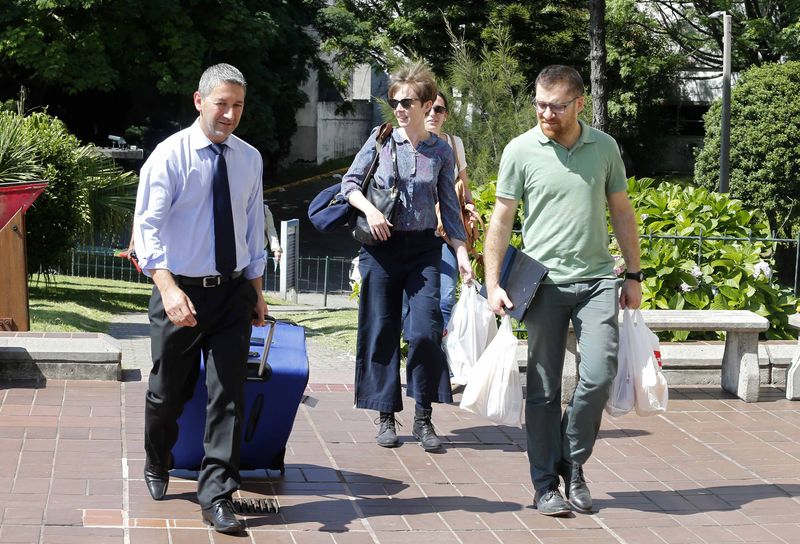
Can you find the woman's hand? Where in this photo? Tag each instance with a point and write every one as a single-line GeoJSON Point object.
{"type": "Point", "coordinates": [474, 216]}
{"type": "Point", "coordinates": [379, 226]}
{"type": "Point", "coordinates": [464, 266]}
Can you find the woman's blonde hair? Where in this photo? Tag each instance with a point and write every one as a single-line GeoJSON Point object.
{"type": "Point", "coordinates": [418, 76]}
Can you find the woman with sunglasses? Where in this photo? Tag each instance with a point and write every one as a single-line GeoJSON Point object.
{"type": "Point", "coordinates": [449, 267]}
{"type": "Point", "coordinates": [405, 262]}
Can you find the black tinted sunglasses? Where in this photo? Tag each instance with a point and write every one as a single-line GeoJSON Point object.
{"type": "Point", "coordinates": [439, 109]}
{"type": "Point", "coordinates": [406, 103]}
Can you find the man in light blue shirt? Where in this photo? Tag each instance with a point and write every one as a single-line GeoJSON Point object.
{"type": "Point", "coordinates": [199, 233]}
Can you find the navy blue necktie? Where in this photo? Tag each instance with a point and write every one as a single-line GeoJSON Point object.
{"type": "Point", "coordinates": [225, 241]}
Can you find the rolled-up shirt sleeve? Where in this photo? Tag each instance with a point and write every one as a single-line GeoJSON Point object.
{"type": "Point", "coordinates": [448, 201]}
{"type": "Point", "coordinates": [153, 202]}
{"type": "Point", "coordinates": [355, 175]}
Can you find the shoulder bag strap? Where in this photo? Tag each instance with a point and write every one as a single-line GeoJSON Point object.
{"type": "Point", "coordinates": [455, 152]}
{"type": "Point", "coordinates": [384, 132]}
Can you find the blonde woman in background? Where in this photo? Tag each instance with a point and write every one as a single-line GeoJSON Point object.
{"type": "Point", "coordinates": [448, 273]}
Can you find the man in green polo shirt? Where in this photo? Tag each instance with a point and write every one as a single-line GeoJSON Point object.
{"type": "Point", "coordinates": [566, 173]}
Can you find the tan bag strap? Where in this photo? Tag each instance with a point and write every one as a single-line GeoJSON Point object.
{"type": "Point", "coordinates": [455, 152]}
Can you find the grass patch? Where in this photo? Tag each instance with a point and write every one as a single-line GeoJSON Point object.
{"type": "Point", "coordinates": [69, 304]}
{"type": "Point", "coordinates": [333, 328]}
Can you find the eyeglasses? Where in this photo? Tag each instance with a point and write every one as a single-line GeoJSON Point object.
{"type": "Point", "coordinates": [555, 107]}
{"type": "Point", "coordinates": [439, 109]}
{"type": "Point", "coordinates": [406, 103]}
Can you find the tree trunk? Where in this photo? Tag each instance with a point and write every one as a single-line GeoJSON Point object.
{"type": "Point", "coordinates": [597, 58]}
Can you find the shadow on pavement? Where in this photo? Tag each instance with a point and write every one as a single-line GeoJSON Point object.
{"type": "Point", "coordinates": [686, 502]}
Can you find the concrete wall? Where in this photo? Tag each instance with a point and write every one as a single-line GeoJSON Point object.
{"type": "Point", "coordinates": [323, 135]}
{"type": "Point", "coordinates": [341, 136]}
{"type": "Point", "coordinates": [304, 140]}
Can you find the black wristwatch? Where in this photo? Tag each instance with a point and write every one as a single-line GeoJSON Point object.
{"type": "Point", "coordinates": [637, 276]}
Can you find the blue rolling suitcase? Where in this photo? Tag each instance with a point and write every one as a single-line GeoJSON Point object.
{"type": "Point", "coordinates": [277, 375]}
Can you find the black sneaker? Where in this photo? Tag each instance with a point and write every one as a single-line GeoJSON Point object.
{"type": "Point", "coordinates": [551, 503]}
{"type": "Point", "coordinates": [387, 430]}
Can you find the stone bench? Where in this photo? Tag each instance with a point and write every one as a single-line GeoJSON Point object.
{"type": "Point", "coordinates": [41, 356]}
{"type": "Point", "coordinates": [793, 374]}
{"type": "Point", "coordinates": [740, 363]}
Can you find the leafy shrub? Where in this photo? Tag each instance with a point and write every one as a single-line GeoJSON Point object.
{"type": "Point", "coordinates": [764, 152]}
{"type": "Point", "coordinates": [85, 189]}
{"type": "Point", "coordinates": [18, 157]}
{"type": "Point", "coordinates": [725, 274]}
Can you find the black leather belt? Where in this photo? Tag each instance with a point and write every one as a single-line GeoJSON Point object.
{"type": "Point", "coordinates": [207, 281]}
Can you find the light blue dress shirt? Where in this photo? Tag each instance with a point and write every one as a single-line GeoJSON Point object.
{"type": "Point", "coordinates": [426, 175]}
{"type": "Point", "coordinates": [173, 226]}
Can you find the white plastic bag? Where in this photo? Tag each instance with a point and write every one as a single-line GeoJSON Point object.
{"type": "Point", "coordinates": [621, 401]}
{"type": "Point", "coordinates": [494, 390]}
{"type": "Point", "coordinates": [651, 392]}
{"type": "Point", "coordinates": [471, 328]}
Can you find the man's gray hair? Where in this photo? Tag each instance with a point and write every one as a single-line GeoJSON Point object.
{"type": "Point", "coordinates": [217, 74]}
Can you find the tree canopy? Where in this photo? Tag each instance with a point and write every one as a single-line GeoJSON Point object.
{"type": "Point", "coordinates": [131, 67]}
{"type": "Point", "coordinates": [762, 31]}
{"type": "Point", "coordinates": [764, 160]}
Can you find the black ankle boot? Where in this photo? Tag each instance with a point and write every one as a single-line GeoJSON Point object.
{"type": "Point", "coordinates": [387, 432]}
{"type": "Point", "coordinates": [424, 431]}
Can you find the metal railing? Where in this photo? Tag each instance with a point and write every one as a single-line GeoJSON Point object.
{"type": "Point", "coordinates": [329, 275]}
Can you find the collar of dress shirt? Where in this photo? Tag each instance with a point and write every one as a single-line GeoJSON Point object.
{"type": "Point", "coordinates": [200, 141]}
{"type": "Point", "coordinates": [400, 137]}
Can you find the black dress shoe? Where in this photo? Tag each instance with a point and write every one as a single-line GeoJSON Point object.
{"type": "Point", "coordinates": [220, 515]}
{"type": "Point", "coordinates": [576, 490]}
{"type": "Point", "coordinates": [157, 481]}
{"type": "Point", "coordinates": [551, 503]}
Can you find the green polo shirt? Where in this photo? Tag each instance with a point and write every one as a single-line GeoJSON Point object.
{"type": "Point", "coordinates": [563, 193]}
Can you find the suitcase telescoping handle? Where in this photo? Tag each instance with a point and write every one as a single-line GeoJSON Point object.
{"type": "Point", "coordinates": [264, 370]}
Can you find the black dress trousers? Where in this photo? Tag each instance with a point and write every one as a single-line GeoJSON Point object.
{"type": "Point", "coordinates": [222, 335]}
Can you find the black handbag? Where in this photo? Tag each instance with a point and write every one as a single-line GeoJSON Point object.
{"type": "Point", "coordinates": [383, 198]}
{"type": "Point", "coordinates": [330, 210]}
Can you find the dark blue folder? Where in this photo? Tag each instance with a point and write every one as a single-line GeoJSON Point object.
{"type": "Point", "coordinates": [520, 276]}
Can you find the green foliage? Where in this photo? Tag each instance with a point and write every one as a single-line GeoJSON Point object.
{"type": "Point", "coordinates": [762, 31]}
{"type": "Point", "coordinates": [490, 101]}
{"type": "Point", "coordinates": [87, 192]}
{"type": "Point", "coordinates": [728, 275]}
{"type": "Point", "coordinates": [642, 70]}
{"type": "Point", "coordinates": [375, 32]}
{"type": "Point", "coordinates": [18, 160]}
{"type": "Point", "coordinates": [106, 67]}
{"type": "Point", "coordinates": [764, 152]}
{"type": "Point", "coordinates": [641, 65]}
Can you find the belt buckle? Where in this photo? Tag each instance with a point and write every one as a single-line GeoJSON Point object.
{"type": "Point", "coordinates": [212, 281]}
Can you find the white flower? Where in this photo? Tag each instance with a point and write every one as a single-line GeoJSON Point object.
{"type": "Point", "coordinates": [714, 290]}
{"type": "Point", "coordinates": [696, 272]}
{"type": "Point", "coordinates": [685, 287]}
{"type": "Point", "coordinates": [762, 267]}
{"type": "Point", "coordinates": [645, 216]}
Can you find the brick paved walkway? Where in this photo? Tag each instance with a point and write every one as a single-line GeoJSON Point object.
{"type": "Point", "coordinates": [712, 470]}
